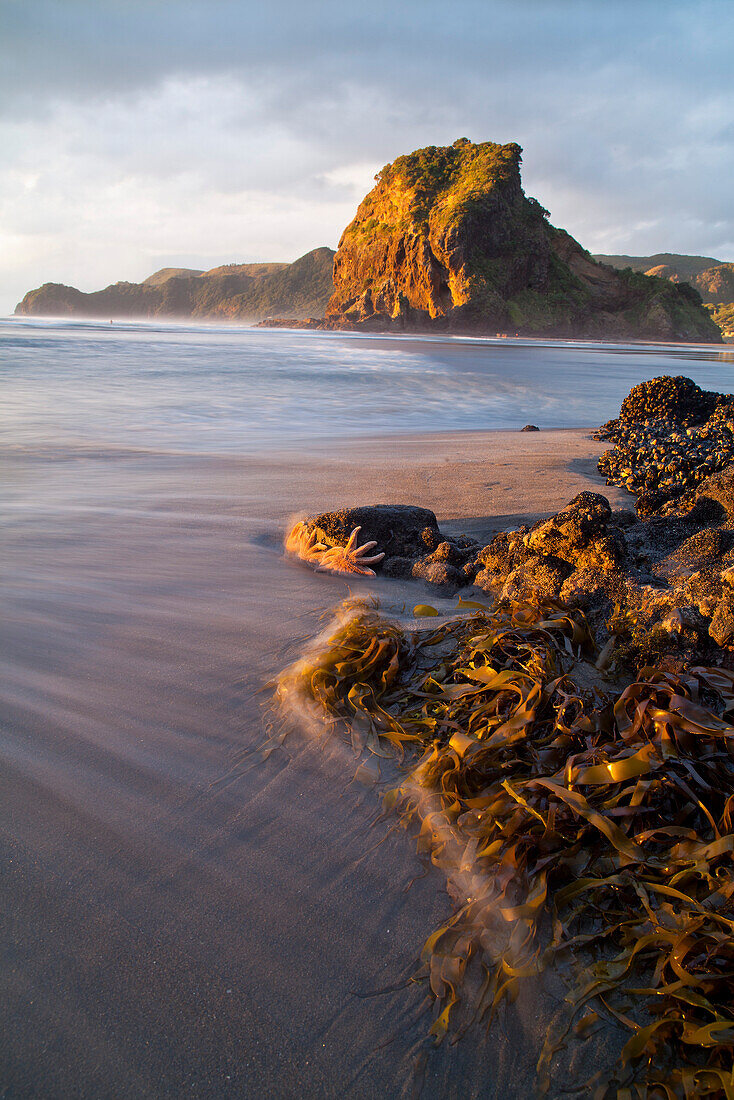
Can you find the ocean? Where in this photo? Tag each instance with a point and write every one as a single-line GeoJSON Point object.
{"type": "Point", "coordinates": [206, 388]}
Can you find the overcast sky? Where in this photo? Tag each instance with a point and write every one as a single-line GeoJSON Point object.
{"type": "Point", "coordinates": [138, 134]}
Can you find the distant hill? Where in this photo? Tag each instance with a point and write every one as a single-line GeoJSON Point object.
{"type": "Point", "coordinates": [243, 292]}
{"type": "Point", "coordinates": [245, 269]}
{"type": "Point", "coordinates": [685, 267]}
{"type": "Point", "coordinates": [713, 279]}
{"type": "Point", "coordinates": [447, 240]}
{"type": "Point", "coordinates": [166, 273]}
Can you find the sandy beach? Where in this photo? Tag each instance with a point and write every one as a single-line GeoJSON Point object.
{"type": "Point", "coordinates": [176, 922]}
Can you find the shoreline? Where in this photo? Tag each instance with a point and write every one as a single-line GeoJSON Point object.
{"type": "Point", "coordinates": [247, 326]}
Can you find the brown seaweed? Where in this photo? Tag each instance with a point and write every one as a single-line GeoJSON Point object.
{"type": "Point", "coordinates": [597, 818]}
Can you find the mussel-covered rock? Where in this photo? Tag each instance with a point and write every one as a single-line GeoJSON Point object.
{"type": "Point", "coordinates": [671, 397]}
{"type": "Point", "coordinates": [670, 437]}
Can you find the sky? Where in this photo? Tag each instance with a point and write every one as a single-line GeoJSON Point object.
{"type": "Point", "coordinates": [139, 134]}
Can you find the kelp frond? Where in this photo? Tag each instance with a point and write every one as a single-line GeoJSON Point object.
{"type": "Point", "coordinates": [597, 819]}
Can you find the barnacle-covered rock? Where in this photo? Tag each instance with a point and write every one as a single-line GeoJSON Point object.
{"type": "Point", "coordinates": [538, 577]}
{"type": "Point", "coordinates": [579, 535]}
{"type": "Point", "coordinates": [718, 489]}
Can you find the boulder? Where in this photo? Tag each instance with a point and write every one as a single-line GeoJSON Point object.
{"type": "Point", "coordinates": [579, 534]}
{"type": "Point", "coordinates": [400, 530]}
{"type": "Point", "coordinates": [542, 577]}
{"type": "Point", "coordinates": [668, 398]}
{"type": "Point", "coordinates": [438, 573]}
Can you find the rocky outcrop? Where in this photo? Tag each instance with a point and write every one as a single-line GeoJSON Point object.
{"type": "Point", "coordinates": [447, 240]}
{"type": "Point", "coordinates": [243, 292]}
{"type": "Point", "coordinates": [408, 536]}
{"type": "Point", "coordinates": [654, 585]}
{"type": "Point", "coordinates": [670, 436]}
{"type": "Point", "coordinates": [663, 585]}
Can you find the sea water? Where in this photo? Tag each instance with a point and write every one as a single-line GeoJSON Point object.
{"type": "Point", "coordinates": [206, 388]}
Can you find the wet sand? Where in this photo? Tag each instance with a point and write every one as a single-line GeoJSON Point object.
{"type": "Point", "coordinates": [175, 922]}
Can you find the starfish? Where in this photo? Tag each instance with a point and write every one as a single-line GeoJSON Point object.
{"type": "Point", "coordinates": [343, 560]}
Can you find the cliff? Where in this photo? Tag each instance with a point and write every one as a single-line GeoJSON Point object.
{"type": "Point", "coordinates": [244, 292]}
{"type": "Point", "coordinates": [447, 240]}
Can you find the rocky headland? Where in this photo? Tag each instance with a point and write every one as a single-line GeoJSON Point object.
{"type": "Point", "coordinates": [653, 582]}
{"type": "Point", "coordinates": [242, 292]}
{"type": "Point", "coordinates": [447, 240]}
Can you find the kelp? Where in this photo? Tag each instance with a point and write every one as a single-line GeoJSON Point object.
{"type": "Point", "coordinates": [594, 819]}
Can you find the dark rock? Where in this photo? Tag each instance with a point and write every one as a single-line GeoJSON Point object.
{"type": "Point", "coordinates": [718, 489]}
{"type": "Point", "coordinates": [650, 503]}
{"type": "Point", "coordinates": [703, 590]}
{"type": "Point", "coordinates": [703, 548]}
{"type": "Point", "coordinates": [623, 518]}
{"type": "Point", "coordinates": [596, 591]}
{"type": "Point", "coordinates": [685, 621]}
{"type": "Point", "coordinates": [399, 530]}
{"type": "Point", "coordinates": [397, 567]}
{"type": "Point", "coordinates": [670, 437]}
{"type": "Point", "coordinates": [542, 577]}
{"type": "Point", "coordinates": [530, 428]}
{"type": "Point", "coordinates": [668, 397]}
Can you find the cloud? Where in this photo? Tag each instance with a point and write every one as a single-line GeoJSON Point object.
{"type": "Point", "coordinates": [136, 133]}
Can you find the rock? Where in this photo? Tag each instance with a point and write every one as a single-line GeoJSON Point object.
{"type": "Point", "coordinates": [400, 530]}
{"type": "Point", "coordinates": [718, 489]}
{"type": "Point", "coordinates": [542, 577]}
{"type": "Point", "coordinates": [683, 620]}
{"type": "Point", "coordinates": [397, 567]}
{"type": "Point", "coordinates": [722, 622]}
{"type": "Point", "coordinates": [447, 240]}
{"type": "Point", "coordinates": [581, 524]}
{"type": "Point", "coordinates": [530, 428]}
{"type": "Point", "coordinates": [438, 573]}
{"type": "Point", "coordinates": [703, 548]}
{"type": "Point", "coordinates": [703, 590]}
{"type": "Point", "coordinates": [596, 591]}
{"type": "Point", "coordinates": [670, 438]}
{"type": "Point", "coordinates": [668, 397]}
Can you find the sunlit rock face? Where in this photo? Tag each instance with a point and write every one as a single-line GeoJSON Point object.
{"type": "Point", "coordinates": [447, 240]}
